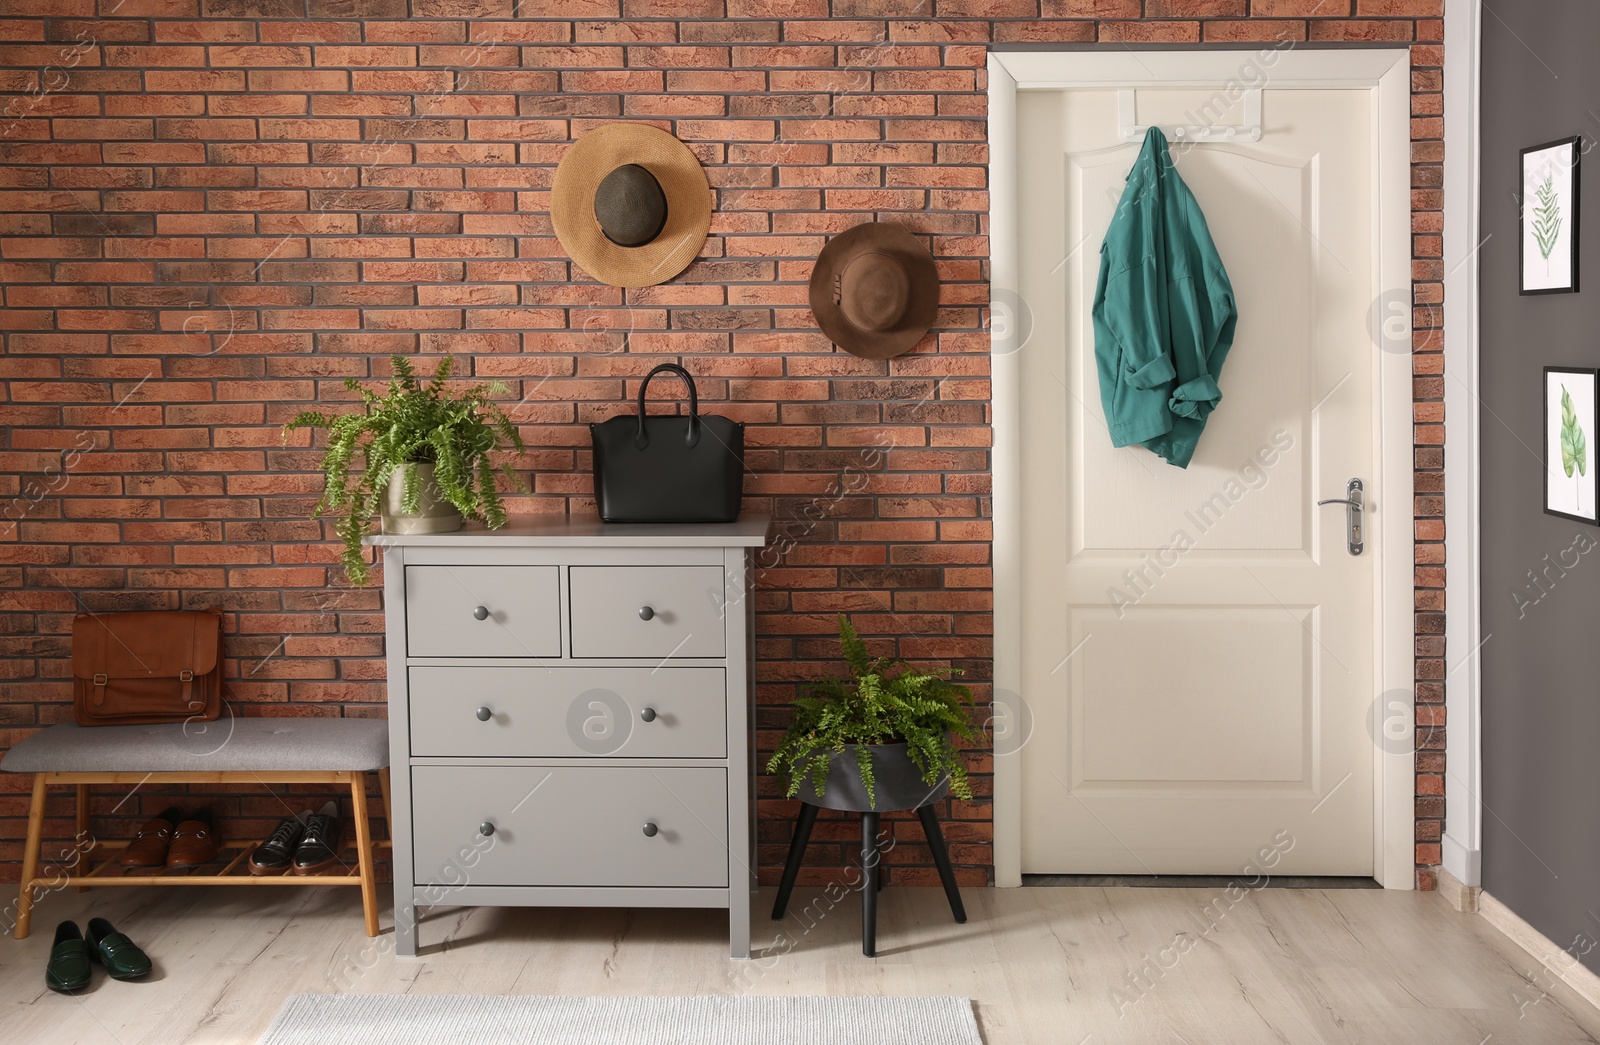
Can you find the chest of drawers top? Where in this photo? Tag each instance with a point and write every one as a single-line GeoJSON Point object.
{"type": "Point", "coordinates": [578, 531]}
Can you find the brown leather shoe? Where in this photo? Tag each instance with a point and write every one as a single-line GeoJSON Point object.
{"type": "Point", "coordinates": [194, 842]}
{"type": "Point", "coordinates": [149, 846]}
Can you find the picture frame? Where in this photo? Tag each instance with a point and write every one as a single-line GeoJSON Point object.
{"type": "Point", "coordinates": [1547, 245]}
{"type": "Point", "coordinates": [1570, 423]}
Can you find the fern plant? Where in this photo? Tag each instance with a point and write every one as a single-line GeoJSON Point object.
{"type": "Point", "coordinates": [884, 701]}
{"type": "Point", "coordinates": [1547, 217]}
{"type": "Point", "coordinates": [412, 423]}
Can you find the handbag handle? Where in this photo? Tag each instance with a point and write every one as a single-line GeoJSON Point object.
{"type": "Point", "coordinates": [641, 438]}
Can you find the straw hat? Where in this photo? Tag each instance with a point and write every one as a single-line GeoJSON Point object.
{"type": "Point", "coordinates": [630, 204]}
{"type": "Point", "coordinates": [874, 290]}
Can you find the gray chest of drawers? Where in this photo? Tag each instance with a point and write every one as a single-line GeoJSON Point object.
{"type": "Point", "coordinates": [569, 707]}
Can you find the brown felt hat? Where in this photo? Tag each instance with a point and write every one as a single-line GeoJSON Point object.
{"type": "Point", "coordinates": [874, 290]}
{"type": "Point", "coordinates": [630, 204]}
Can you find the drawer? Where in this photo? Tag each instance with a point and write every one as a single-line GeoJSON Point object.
{"type": "Point", "coordinates": [565, 825]}
{"type": "Point", "coordinates": [483, 611]}
{"type": "Point", "coordinates": [647, 611]}
{"type": "Point", "coordinates": [559, 712]}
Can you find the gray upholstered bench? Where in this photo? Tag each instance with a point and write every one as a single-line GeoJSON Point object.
{"type": "Point", "coordinates": [228, 751]}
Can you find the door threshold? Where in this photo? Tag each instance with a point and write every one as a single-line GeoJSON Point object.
{"type": "Point", "coordinates": [1195, 881]}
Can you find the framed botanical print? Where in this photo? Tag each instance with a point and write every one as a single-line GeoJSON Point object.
{"type": "Point", "coordinates": [1549, 241]}
{"type": "Point", "coordinates": [1569, 426]}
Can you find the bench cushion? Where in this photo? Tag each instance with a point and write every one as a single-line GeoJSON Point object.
{"type": "Point", "coordinates": [261, 745]}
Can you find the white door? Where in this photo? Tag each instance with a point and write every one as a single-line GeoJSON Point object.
{"type": "Point", "coordinates": [1198, 645]}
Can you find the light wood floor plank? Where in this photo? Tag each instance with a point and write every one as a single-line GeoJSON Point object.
{"type": "Point", "coordinates": [1063, 966]}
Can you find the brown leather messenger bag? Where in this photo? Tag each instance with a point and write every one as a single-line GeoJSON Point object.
{"type": "Point", "coordinates": [131, 668]}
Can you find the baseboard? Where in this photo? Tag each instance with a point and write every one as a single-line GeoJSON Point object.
{"type": "Point", "coordinates": [1465, 863]}
{"type": "Point", "coordinates": [1554, 962]}
{"type": "Point", "coordinates": [1458, 894]}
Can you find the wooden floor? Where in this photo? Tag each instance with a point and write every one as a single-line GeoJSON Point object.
{"type": "Point", "coordinates": [1041, 964]}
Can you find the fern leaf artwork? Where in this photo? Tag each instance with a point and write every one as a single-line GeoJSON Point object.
{"type": "Point", "coordinates": [1547, 217]}
{"type": "Point", "coordinates": [1574, 445]}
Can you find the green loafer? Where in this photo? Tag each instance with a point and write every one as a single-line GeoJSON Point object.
{"type": "Point", "coordinates": [121, 957]}
{"type": "Point", "coordinates": [68, 968]}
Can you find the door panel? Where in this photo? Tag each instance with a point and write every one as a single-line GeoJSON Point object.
{"type": "Point", "coordinates": [1198, 644]}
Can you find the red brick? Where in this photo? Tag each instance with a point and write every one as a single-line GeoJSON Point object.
{"type": "Point", "coordinates": [1307, 8]}
{"type": "Point", "coordinates": [1149, 32]}
{"type": "Point", "coordinates": [1399, 8]}
{"type": "Point", "coordinates": [260, 56]}
{"type": "Point", "coordinates": [1364, 30]}
{"type": "Point", "coordinates": [389, 56]}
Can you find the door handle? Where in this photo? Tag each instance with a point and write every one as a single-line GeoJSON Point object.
{"type": "Point", "coordinates": [1355, 505]}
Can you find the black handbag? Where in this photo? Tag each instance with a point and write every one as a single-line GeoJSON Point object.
{"type": "Point", "coordinates": [668, 469]}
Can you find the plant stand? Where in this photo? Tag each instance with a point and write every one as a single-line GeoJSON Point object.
{"type": "Point", "coordinates": [873, 875]}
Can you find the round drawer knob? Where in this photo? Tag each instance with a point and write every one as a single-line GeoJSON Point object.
{"type": "Point", "coordinates": [481, 612]}
{"type": "Point", "coordinates": [646, 613]}
{"type": "Point", "coordinates": [486, 828]}
{"type": "Point", "coordinates": [484, 714]}
{"type": "Point", "coordinates": [650, 830]}
{"type": "Point", "coordinates": [648, 715]}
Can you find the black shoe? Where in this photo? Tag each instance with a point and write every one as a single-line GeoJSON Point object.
{"type": "Point", "coordinates": [276, 854]}
{"type": "Point", "coordinates": [121, 956]}
{"type": "Point", "coordinates": [68, 968]}
{"type": "Point", "coordinates": [319, 848]}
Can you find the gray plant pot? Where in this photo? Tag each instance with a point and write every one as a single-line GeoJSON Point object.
{"type": "Point", "coordinates": [897, 782]}
{"type": "Point", "coordinates": [434, 514]}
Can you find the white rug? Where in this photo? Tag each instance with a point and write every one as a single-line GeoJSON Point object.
{"type": "Point", "coordinates": [412, 1019]}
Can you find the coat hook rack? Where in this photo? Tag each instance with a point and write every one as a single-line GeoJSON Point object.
{"type": "Point", "coordinates": [1249, 131]}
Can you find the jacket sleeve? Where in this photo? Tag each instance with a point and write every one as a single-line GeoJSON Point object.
{"type": "Point", "coordinates": [1132, 312]}
{"type": "Point", "coordinates": [1203, 308]}
{"type": "Point", "coordinates": [1196, 398]}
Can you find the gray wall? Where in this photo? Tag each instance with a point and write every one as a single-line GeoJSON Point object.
{"type": "Point", "coordinates": [1541, 701]}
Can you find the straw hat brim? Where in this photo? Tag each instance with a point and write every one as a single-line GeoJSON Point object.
{"type": "Point", "coordinates": [587, 161]}
{"type": "Point", "coordinates": [921, 309]}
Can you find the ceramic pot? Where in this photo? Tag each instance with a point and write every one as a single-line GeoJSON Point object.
{"type": "Point", "coordinates": [896, 780]}
{"type": "Point", "coordinates": [434, 513]}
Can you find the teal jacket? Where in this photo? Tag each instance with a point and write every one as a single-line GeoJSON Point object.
{"type": "Point", "coordinates": [1163, 312]}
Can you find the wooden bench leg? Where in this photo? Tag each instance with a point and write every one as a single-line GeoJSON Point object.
{"type": "Point", "coordinates": [80, 841]}
{"type": "Point", "coordinates": [369, 878]}
{"type": "Point", "coordinates": [388, 807]}
{"type": "Point", "coordinates": [30, 859]}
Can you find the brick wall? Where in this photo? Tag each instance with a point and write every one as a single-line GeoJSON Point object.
{"type": "Point", "coordinates": [212, 211]}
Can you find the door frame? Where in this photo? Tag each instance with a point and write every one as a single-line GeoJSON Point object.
{"type": "Point", "coordinates": [1461, 846]}
{"type": "Point", "coordinates": [1386, 73]}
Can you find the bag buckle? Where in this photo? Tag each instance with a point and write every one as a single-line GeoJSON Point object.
{"type": "Point", "coordinates": [185, 675]}
{"type": "Point", "coordinates": [100, 679]}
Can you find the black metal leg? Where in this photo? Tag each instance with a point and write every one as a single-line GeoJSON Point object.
{"type": "Point", "coordinates": [869, 888]}
{"type": "Point", "coordinates": [941, 860]}
{"type": "Point", "coordinates": [797, 852]}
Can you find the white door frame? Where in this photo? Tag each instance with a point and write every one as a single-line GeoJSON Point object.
{"type": "Point", "coordinates": [1462, 844]}
{"type": "Point", "coordinates": [1386, 73]}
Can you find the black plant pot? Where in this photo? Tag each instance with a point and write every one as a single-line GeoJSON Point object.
{"type": "Point", "coordinates": [897, 782]}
